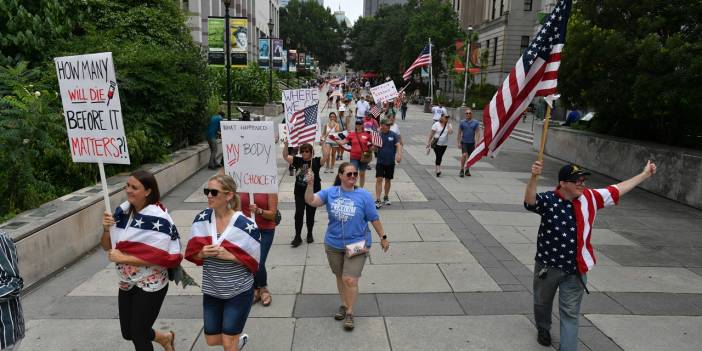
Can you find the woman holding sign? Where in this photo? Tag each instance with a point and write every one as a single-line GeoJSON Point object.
{"type": "Point", "coordinates": [348, 238]}
{"type": "Point", "coordinates": [146, 244]}
{"type": "Point", "coordinates": [302, 164]}
{"type": "Point", "coordinates": [265, 207]}
{"type": "Point", "coordinates": [226, 244]}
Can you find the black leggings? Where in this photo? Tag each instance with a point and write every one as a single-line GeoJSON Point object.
{"type": "Point", "coordinates": [138, 310]}
{"type": "Point", "coordinates": [439, 151]}
{"type": "Point", "coordinates": [300, 207]}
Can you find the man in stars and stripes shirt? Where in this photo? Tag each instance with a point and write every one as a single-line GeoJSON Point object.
{"type": "Point", "coordinates": [535, 74]}
{"type": "Point", "coordinates": [11, 319]}
{"type": "Point", "coordinates": [303, 126]}
{"type": "Point", "coordinates": [563, 251]}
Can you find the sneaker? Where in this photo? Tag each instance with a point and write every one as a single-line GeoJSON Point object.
{"type": "Point", "coordinates": [291, 172]}
{"type": "Point", "coordinates": [467, 173]}
{"type": "Point", "coordinates": [544, 337]}
{"type": "Point", "coordinates": [243, 339]}
{"type": "Point", "coordinates": [387, 202]}
{"type": "Point", "coordinates": [296, 241]}
{"type": "Point", "coordinates": [461, 173]}
{"type": "Point", "coordinates": [310, 238]}
{"type": "Point", "coordinates": [349, 322]}
{"type": "Point", "coordinates": [378, 204]}
{"type": "Point", "coordinates": [438, 174]}
{"type": "Point", "coordinates": [340, 314]}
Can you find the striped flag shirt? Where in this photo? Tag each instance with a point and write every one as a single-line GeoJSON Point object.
{"type": "Point", "coordinates": [303, 126]}
{"type": "Point", "coordinates": [376, 139]}
{"type": "Point", "coordinates": [424, 59]}
{"type": "Point", "coordinates": [11, 318]}
{"type": "Point", "coordinates": [535, 74]}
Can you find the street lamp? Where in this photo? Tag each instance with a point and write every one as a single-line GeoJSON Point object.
{"type": "Point", "coordinates": [465, 75]}
{"type": "Point", "coordinates": [270, 55]}
{"type": "Point", "coordinates": [287, 60]}
{"type": "Point", "coordinates": [228, 54]}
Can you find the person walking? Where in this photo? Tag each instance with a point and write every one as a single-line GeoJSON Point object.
{"type": "Point", "coordinates": [301, 164]}
{"type": "Point", "coordinates": [361, 150]}
{"type": "Point", "coordinates": [212, 132]}
{"type": "Point", "coordinates": [265, 208]}
{"type": "Point", "coordinates": [437, 112]}
{"type": "Point", "coordinates": [11, 283]}
{"type": "Point", "coordinates": [329, 146]}
{"type": "Point", "coordinates": [347, 240]}
{"type": "Point", "coordinates": [227, 246]}
{"type": "Point", "coordinates": [564, 254]}
{"type": "Point", "coordinates": [403, 106]}
{"type": "Point", "coordinates": [395, 128]}
{"type": "Point", "coordinates": [438, 140]}
{"type": "Point", "coordinates": [142, 241]}
{"type": "Point", "coordinates": [388, 154]}
{"type": "Point", "coordinates": [468, 134]}
{"type": "Point", "coordinates": [362, 106]}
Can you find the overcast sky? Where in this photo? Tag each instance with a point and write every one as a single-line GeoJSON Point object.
{"type": "Point", "coordinates": [353, 8]}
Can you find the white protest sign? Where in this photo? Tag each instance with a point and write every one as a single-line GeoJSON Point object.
{"type": "Point", "coordinates": [384, 92]}
{"type": "Point", "coordinates": [250, 155]}
{"type": "Point", "coordinates": [297, 99]}
{"type": "Point", "coordinates": [92, 109]}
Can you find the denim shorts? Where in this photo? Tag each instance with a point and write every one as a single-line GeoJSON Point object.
{"type": "Point", "coordinates": [226, 316]}
{"type": "Point", "coordinates": [360, 166]}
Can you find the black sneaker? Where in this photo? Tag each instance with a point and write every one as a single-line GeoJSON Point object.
{"type": "Point", "coordinates": [468, 173]}
{"type": "Point", "coordinates": [378, 204]}
{"type": "Point", "coordinates": [460, 174]}
{"type": "Point", "coordinates": [296, 241]}
{"type": "Point", "coordinates": [310, 238]}
{"type": "Point", "coordinates": [291, 171]}
{"type": "Point", "coordinates": [544, 337]}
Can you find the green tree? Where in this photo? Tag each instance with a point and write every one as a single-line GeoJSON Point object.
{"type": "Point", "coordinates": [637, 64]}
{"type": "Point", "coordinates": [311, 28]}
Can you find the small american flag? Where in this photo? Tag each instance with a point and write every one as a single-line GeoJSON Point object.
{"type": "Point", "coordinates": [535, 74]}
{"type": "Point", "coordinates": [424, 59]}
{"type": "Point", "coordinates": [340, 136]}
{"type": "Point", "coordinates": [376, 139]}
{"type": "Point", "coordinates": [303, 126]}
{"type": "Point", "coordinates": [375, 111]}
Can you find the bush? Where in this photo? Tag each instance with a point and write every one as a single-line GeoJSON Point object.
{"type": "Point", "coordinates": [480, 95]}
{"type": "Point", "coordinates": [249, 84]}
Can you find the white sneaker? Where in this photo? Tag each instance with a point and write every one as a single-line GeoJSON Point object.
{"type": "Point", "coordinates": [243, 339]}
{"type": "Point", "coordinates": [387, 201]}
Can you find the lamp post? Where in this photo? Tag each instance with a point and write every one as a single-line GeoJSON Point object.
{"type": "Point", "coordinates": [228, 54]}
{"type": "Point", "coordinates": [270, 57]}
{"type": "Point", "coordinates": [465, 75]}
{"type": "Point", "coordinates": [287, 60]}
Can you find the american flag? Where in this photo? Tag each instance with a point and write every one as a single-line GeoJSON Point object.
{"type": "Point", "coordinates": [376, 139]}
{"type": "Point", "coordinates": [149, 235]}
{"type": "Point", "coordinates": [242, 239]}
{"type": "Point", "coordinates": [303, 126]}
{"type": "Point", "coordinates": [424, 59]}
{"type": "Point", "coordinates": [535, 74]}
{"type": "Point", "coordinates": [340, 136]}
{"type": "Point", "coordinates": [375, 111]}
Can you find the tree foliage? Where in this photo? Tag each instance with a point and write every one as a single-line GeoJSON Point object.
{"type": "Point", "coordinates": [392, 39]}
{"type": "Point", "coordinates": [638, 65]}
{"type": "Point", "coordinates": [311, 28]}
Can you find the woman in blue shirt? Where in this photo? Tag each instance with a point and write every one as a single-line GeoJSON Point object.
{"type": "Point", "coordinates": [348, 238]}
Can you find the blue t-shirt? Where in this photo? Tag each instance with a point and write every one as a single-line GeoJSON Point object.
{"type": "Point", "coordinates": [213, 127]}
{"type": "Point", "coordinates": [386, 154]}
{"type": "Point", "coordinates": [349, 213]}
{"type": "Point", "coordinates": [468, 129]}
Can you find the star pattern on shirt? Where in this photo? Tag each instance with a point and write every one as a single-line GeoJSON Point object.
{"type": "Point", "coordinates": [157, 225]}
{"type": "Point", "coordinates": [556, 240]}
{"type": "Point", "coordinates": [137, 223]}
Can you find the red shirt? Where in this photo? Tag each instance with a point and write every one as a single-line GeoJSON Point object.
{"type": "Point", "coordinates": [356, 140]}
{"type": "Point", "coordinates": [261, 200]}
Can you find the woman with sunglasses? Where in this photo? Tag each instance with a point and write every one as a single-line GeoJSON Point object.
{"type": "Point", "coordinates": [265, 207]}
{"type": "Point", "coordinates": [302, 164]}
{"type": "Point", "coordinates": [348, 238]}
{"type": "Point", "coordinates": [438, 140]}
{"type": "Point", "coordinates": [329, 146]}
{"type": "Point", "coordinates": [226, 244]}
{"type": "Point", "coordinates": [143, 242]}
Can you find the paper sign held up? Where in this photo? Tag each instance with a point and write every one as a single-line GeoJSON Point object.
{"type": "Point", "coordinates": [92, 109]}
{"type": "Point", "coordinates": [384, 92]}
{"type": "Point", "coordinates": [250, 155]}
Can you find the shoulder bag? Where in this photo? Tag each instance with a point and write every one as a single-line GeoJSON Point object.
{"type": "Point", "coordinates": [355, 248]}
{"type": "Point", "coordinates": [435, 140]}
{"type": "Point", "coordinates": [366, 155]}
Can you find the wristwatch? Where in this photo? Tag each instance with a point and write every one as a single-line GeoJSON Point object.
{"type": "Point", "coordinates": [384, 237]}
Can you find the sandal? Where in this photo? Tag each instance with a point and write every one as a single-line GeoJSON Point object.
{"type": "Point", "coordinates": [172, 340]}
{"type": "Point", "coordinates": [341, 313]}
{"type": "Point", "coordinates": [257, 296]}
{"type": "Point", "coordinates": [349, 322]}
{"type": "Point", "coordinates": [266, 297]}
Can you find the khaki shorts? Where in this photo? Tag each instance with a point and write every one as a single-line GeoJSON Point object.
{"type": "Point", "coordinates": [342, 265]}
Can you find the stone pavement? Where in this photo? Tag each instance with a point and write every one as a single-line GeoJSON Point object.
{"type": "Point", "coordinates": [458, 274]}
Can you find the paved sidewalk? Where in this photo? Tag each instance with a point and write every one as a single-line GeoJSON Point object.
{"type": "Point", "coordinates": [457, 277]}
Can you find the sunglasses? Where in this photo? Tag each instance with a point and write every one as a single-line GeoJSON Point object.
{"type": "Point", "coordinates": [577, 182]}
{"type": "Point", "coordinates": [214, 192]}
{"type": "Point", "coordinates": [351, 174]}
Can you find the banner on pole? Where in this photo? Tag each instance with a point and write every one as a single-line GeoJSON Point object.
{"type": "Point", "coordinates": [239, 41]}
{"type": "Point", "coordinates": [250, 155]}
{"type": "Point", "coordinates": [292, 60]}
{"type": "Point", "coordinates": [277, 53]}
{"type": "Point", "coordinates": [216, 41]}
{"type": "Point", "coordinates": [92, 109]}
{"type": "Point", "coordinates": [263, 52]}
{"type": "Point", "coordinates": [384, 92]}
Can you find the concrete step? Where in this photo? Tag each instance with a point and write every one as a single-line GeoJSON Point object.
{"type": "Point", "coordinates": [524, 135]}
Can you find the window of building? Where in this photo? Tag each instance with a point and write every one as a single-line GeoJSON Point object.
{"type": "Point", "coordinates": [527, 5]}
{"type": "Point", "coordinates": [494, 51]}
{"type": "Point", "coordinates": [502, 7]}
{"type": "Point", "coordinates": [494, 8]}
{"type": "Point", "coordinates": [487, 49]}
{"type": "Point", "coordinates": [525, 43]}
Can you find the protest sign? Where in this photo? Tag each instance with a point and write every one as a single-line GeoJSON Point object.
{"type": "Point", "coordinates": [250, 155]}
{"type": "Point", "coordinates": [92, 109]}
{"type": "Point", "coordinates": [296, 100]}
{"type": "Point", "coordinates": [384, 92]}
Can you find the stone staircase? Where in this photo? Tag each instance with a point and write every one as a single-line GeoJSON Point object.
{"type": "Point", "coordinates": [523, 134]}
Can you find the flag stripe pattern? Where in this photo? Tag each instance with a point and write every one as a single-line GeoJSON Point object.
{"type": "Point", "coordinates": [149, 235]}
{"type": "Point", "coordinates": [304, 126]}
{"type": "Point", "coordinates": [376, 140]}
{"type": "Point", "coordinates": [586, 207]}
{"type": "Point", "coordinates": [242, 240]}
{"type": "Point", "coordinates": [340, 136]}
{"type": "Point", "coordinates": [424, 59]}
{"type": "Point", "coordinates": [535, 74]}
{"type": "Point", "coordinates": [375, 111]}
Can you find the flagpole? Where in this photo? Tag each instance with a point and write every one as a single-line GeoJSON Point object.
{"type": "Point", "coordinates": [547, 121]}
{"type": "Point", "coordinates": [431, 76]}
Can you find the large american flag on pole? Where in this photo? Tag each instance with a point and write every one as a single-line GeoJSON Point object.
{"type": "Point", "coordinates": [535, 74]}
{"type": "Point", "coordinates": [424, 59]}
{"type": "Point", "coordinates": [303, 126]}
